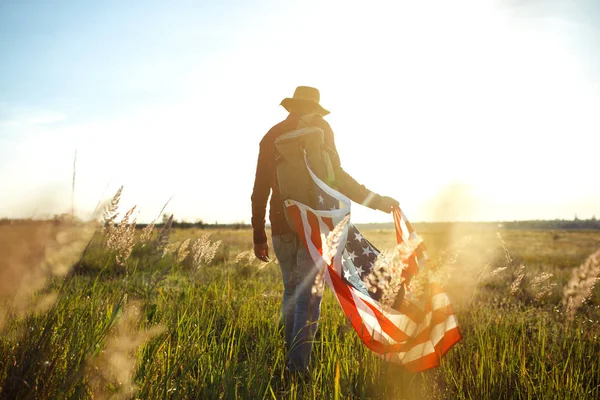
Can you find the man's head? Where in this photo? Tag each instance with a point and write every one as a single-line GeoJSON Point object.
{"type": "Point", "coordinates": [305, 101]}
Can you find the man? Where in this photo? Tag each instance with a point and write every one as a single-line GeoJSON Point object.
{"type": "Point", "coordinates": [301, 303]}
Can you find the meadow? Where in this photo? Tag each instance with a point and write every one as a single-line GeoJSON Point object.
{"type": "Point", "coordinates": [119, 312]}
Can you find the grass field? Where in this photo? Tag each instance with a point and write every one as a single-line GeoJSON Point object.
{"type": "Point", "coordinates": [174, 320]}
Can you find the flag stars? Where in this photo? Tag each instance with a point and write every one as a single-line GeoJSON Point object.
{"type": "Point", "coordinates": [351, 255]}
{"type": "Point", "coordinates": [358, 237]}
{"type": "Point", "coordinates": [360, 271]}
{"type": "Point", "coordinates": [367, 251]}
{"type": "Point", "coordinates": [321, 200]}
{"type": "Point", "coordinates": [347, 274]}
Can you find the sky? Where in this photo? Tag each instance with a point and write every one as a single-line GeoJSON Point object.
{"type": "Point", "coordinates": [464, 110]}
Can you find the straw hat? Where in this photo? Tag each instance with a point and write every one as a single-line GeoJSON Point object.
{"type": "Point", "coordinates": [304, 95]}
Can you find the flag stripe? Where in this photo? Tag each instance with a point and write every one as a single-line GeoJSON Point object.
{"type": "Point", "coordinates": [402, 321]}
{"type": "Point", "coordinates": [431, 360]}
{"type": "Point", "coordinates": [386, 326]}
{"type": "Point", "coordinates": [329, 222]}
{"type": "Point", "coordinates": [436, 317]}
{"type": "Point", "coordinates": [315, 231]}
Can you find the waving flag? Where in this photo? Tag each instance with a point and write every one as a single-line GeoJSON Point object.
{"type": "Point", "coordinates": [417, 330]}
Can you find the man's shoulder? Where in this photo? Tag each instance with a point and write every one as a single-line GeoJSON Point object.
{"type": "Point", "coordinates": [277, 130]}
{"type": "Point", "coordinates": [281, 126]}
{"type": "Point", "coordinates": [321, 122]}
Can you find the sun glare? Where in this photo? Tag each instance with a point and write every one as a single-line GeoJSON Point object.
{"type": "Point", "coordinates": [460, 99]}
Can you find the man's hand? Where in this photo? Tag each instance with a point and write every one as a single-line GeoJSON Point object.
{"type": "Point", "coordinates": [388, 204]}
{"type": "Point", "coordinates": [261, 251]}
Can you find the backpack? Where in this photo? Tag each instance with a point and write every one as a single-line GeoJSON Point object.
{"type": "Point", "coordinates": [293, 178]}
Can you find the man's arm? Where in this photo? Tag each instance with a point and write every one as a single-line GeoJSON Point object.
{"type": "Point", "coordinates": [260, 194]}
{"type": "Point", "coordinates": [348, 186]}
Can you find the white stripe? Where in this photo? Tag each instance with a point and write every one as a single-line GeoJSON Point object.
{"type": "Point", "coordinates": [428, 347]}
{"type": "Point", "coordinates": [403, 216]}
{"type": "Point", "coordinates": [440, 300]}
{"type": "Point", "coordinates": [370, 321]}
{"type": "Point", "coordinates": [335, 215]}
{"type": "Point", "coordinates": [337, 260]}
{"type": "Point", "coordinates": [324, 229]}
{"type": "Point", "coordinates": [425, 348]}
{"type": "Point", "coordinates": [405, 233]}
{"type": "Point", "coordinates": [417, 351]}
{"type": "Point", "coordinates": [438, 331]}
{"type": "Point", "coordinates": [326, 188]}
{"type": "Point", "coordinates": [312, 249]}
{"type": "Point", "coordinates": [400, 320]}
{"type": "Point", "coordinates": [330, 284]}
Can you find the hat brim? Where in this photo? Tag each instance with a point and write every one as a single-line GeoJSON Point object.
{"type": "Point", "coordinates": [289, 103]}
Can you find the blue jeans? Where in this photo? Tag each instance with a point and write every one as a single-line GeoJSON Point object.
{"type": "Point", "coordinates": [301, 298]}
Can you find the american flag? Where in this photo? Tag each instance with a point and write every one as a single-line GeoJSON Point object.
{"type": "Point", "coordinates": [417, 330]}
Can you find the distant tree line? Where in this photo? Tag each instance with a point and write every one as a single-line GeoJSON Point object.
{"type": "Point", "coordinates": [202, 225]}
{"type": "Point", "coordinates": [199, 224]}
{"type": "Point", "coordinates": [575, 224]}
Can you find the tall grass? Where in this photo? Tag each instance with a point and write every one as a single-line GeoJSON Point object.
{"type": "Point", "coordinates": [178, 314]}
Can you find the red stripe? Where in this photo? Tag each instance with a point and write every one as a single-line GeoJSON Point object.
{"type": "Point", "coordinates": [426, 362]}
{"type": "Point", "coordinates": [415, 312]}
{"type": "Point", "coordinates": [451, 337]}
{"type": "Point", "coordinates": [388, 326]}
{"type": "Point", "coordinates": [412, 268]}
{"type": "Point", "coordinates": [439, 316]}
{"type": "Point", "coordinates": [294, 214]}
{"type": "Point", "coordinates": [397, 218]}
{"type": "Point", "coordinates": [315, 230]}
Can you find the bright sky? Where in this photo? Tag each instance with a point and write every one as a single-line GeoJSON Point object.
{"type": "Point", "coordinates": [462, 110]}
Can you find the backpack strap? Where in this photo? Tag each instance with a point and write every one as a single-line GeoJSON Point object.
{"type": "Point", "coordinates": [306, 121]}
